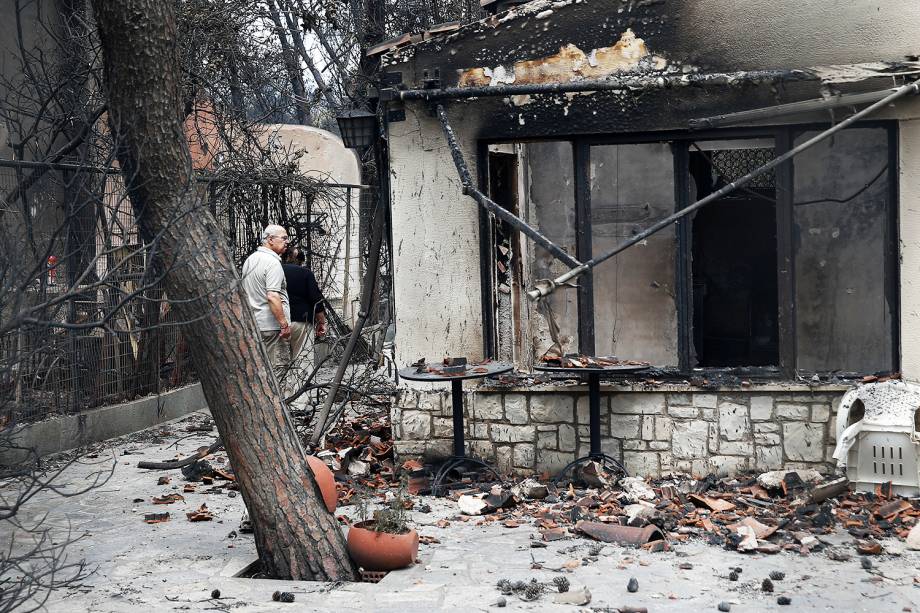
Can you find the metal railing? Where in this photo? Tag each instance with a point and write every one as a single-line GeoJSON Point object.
{"type": "Point", "coordinates": [99, 329]}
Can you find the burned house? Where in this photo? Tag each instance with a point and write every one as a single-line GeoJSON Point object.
{"type": "Point", "coordinates": [591, 121]}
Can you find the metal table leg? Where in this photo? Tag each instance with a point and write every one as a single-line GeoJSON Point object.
{"type": "Point", "coordinates": [459, 458]}
{"type": "Point", "coordinates": [594, 425]}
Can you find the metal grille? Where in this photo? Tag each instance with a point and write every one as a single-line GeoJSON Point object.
{"type": "Point", "coordinates": [733, 164]}
{"type": "Point", "coordinates": [320, 218]}
{"type": "Point", "coordinates": [74, 227]}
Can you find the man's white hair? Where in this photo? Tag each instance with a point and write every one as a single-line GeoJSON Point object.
{"type": "Point", "coordinates": [269, 231]}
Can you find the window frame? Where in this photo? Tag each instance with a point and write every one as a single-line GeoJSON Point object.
{"type": "Point", "coordinates": [783, 137]}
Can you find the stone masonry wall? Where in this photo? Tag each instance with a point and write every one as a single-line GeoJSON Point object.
{"type": "Point", "coordinates": [525, 431]}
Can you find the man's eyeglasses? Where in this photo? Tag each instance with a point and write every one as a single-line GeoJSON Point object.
{"type": "Point", "coordinates": [286, 239]}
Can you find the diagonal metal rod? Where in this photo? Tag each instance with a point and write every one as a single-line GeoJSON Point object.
{"type": "Point", "coordinates": [505, 215]}
{"type": "Point", "coordinates": [546, 287]}
{"type": "Point", "coordinates": [792, 108]}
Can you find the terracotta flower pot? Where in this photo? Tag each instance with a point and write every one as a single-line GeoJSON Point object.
{"type": "Point", "coordinates": [381, 551]}
{"type": "Point", "coordinates": [326, 482]}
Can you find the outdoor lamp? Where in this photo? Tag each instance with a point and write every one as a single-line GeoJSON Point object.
{"type": "Point", "coordinates": [358, 128]}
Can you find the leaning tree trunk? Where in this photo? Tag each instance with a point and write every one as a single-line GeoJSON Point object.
{"type": "Point", "coordinates": [296, 537]}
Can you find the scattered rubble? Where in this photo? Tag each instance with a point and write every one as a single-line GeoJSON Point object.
{"type": "Point", "coordinates": [168, 499]}
{"type": "Point", "coordinates": [579, 598]}
{"type": "Point", "coordinates": [530, 489]}
{"type": "Point", "coordinates": [201, 514]}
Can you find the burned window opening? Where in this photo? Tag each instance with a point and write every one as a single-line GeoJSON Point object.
{"type": "Point", "coordinates": [780, 307]}
{"type": "Point", "coordinates": [735, 290]}
{"type": "Point", "coordinates": [506, 253]}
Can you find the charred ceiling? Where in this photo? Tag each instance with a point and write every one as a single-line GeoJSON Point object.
{"type": "Point", "coordinates": [547, 43]}
{"type": "Point", "coordinates": [542, 39]}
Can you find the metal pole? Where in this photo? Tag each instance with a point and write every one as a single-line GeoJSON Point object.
{"type": "Point", "coordinates": [505, 215]}
{"type": "Point", "coordinates": [594, 413]}
{"type": "Point", "coordinates": [792, 108]}
{"type": "Point", "coordinates": [456, 397]}
{"type": "Point", "coordinates": [345, 307]}
{"type": "Point", "coordinates": [367, 296]}
{"type": "Point", "coordinates": [545, 287]}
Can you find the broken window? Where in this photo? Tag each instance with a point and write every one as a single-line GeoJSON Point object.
{"type": "Point", "coordinates": [549, 205]}
{"type": "Point", "coordinates": [506, 247]}
{"type": "Point", "coordinates": [796, 271]}
{"type": "Point", "coordinates": [735, 304]}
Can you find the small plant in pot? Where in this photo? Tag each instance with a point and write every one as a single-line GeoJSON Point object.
{"type": "Point", "coordinates": [385, 542]}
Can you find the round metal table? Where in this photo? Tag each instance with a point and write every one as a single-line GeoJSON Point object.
{"type": "Point", "coordinates": [593, 374]}
{"type": "Point", "coordinates": [473, 371]}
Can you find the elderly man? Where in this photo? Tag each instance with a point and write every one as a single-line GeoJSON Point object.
{"type": "Point", "coordinates": [266, 288]}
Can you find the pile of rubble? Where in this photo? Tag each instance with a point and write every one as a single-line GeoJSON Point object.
{"type": "Point", "coordinates": [765, 513]}
{"type": "Point", "coordinates": [769, 513]}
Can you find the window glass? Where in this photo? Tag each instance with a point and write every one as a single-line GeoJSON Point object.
{"type": "Point", "coordinates": [635, 317]}
{"type": "Point", "coordinates": [841, 233]}
{"type": "Point", "coordinates": [549, 205]}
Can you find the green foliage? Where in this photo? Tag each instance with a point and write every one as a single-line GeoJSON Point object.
{"type": "Point", "coordinates": [392, 519]}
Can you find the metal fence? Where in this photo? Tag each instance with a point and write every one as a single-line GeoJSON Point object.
{"type": "Point", "coordinates": [100, 330]}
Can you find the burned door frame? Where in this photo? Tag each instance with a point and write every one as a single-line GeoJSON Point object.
{"type": "Point", "coordinates": [488, 258]}
{"type": "Point", "coordinates": [783, 136]}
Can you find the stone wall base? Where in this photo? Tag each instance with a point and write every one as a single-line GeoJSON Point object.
{"type": "Point", "coordinates": [653, 433]}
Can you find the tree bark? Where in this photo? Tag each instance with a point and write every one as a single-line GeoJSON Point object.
{"type": "Point", "coordinates": [296, 537]}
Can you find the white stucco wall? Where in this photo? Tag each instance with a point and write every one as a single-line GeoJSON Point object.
{"type": "Point", "coordinates": [798, 33]}
{"type": "Point", "coordinates": [909, 231]}
{"type": "Point", "coordinates": [326, 158]}
{"type": "Point", "coordinates": [435, 241]}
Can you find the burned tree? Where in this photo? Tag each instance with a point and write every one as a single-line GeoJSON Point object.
{"type": "Point", "coordinates": [296, 537]}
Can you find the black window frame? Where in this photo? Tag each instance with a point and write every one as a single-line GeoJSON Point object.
{"type": "Point", "coordinates": [783, 137]}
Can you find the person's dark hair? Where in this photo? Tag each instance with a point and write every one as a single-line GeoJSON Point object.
{"type": "Point", "coordinates": [294, 255]}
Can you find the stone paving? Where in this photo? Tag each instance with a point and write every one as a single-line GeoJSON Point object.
{"type": "Point", "coordinates": [175, 565]}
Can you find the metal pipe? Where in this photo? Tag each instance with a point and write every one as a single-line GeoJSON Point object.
{"type": "Point", "coordinates": [649, 81]}
{"type": "Point", "coordinates": [505, 215]}
{"type": "Point", "coordinates": [793, 108]}
{"type": "Point", "coordinates": [545, 287]}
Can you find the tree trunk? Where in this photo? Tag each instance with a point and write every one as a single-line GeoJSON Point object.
{"type": "Point", "coordinates": [296, 537]}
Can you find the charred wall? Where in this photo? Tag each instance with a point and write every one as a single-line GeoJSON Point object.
{"type": "Point", "coordinates": [710, 35]}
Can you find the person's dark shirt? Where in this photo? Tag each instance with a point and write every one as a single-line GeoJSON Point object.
{"type": "Point", "coordinates": [303, 292]}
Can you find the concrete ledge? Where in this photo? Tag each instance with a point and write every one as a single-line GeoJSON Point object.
{"type": "Point", "coordinates": [638, 387]}
{"type": "Point", "coordinates": [71, 431]}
